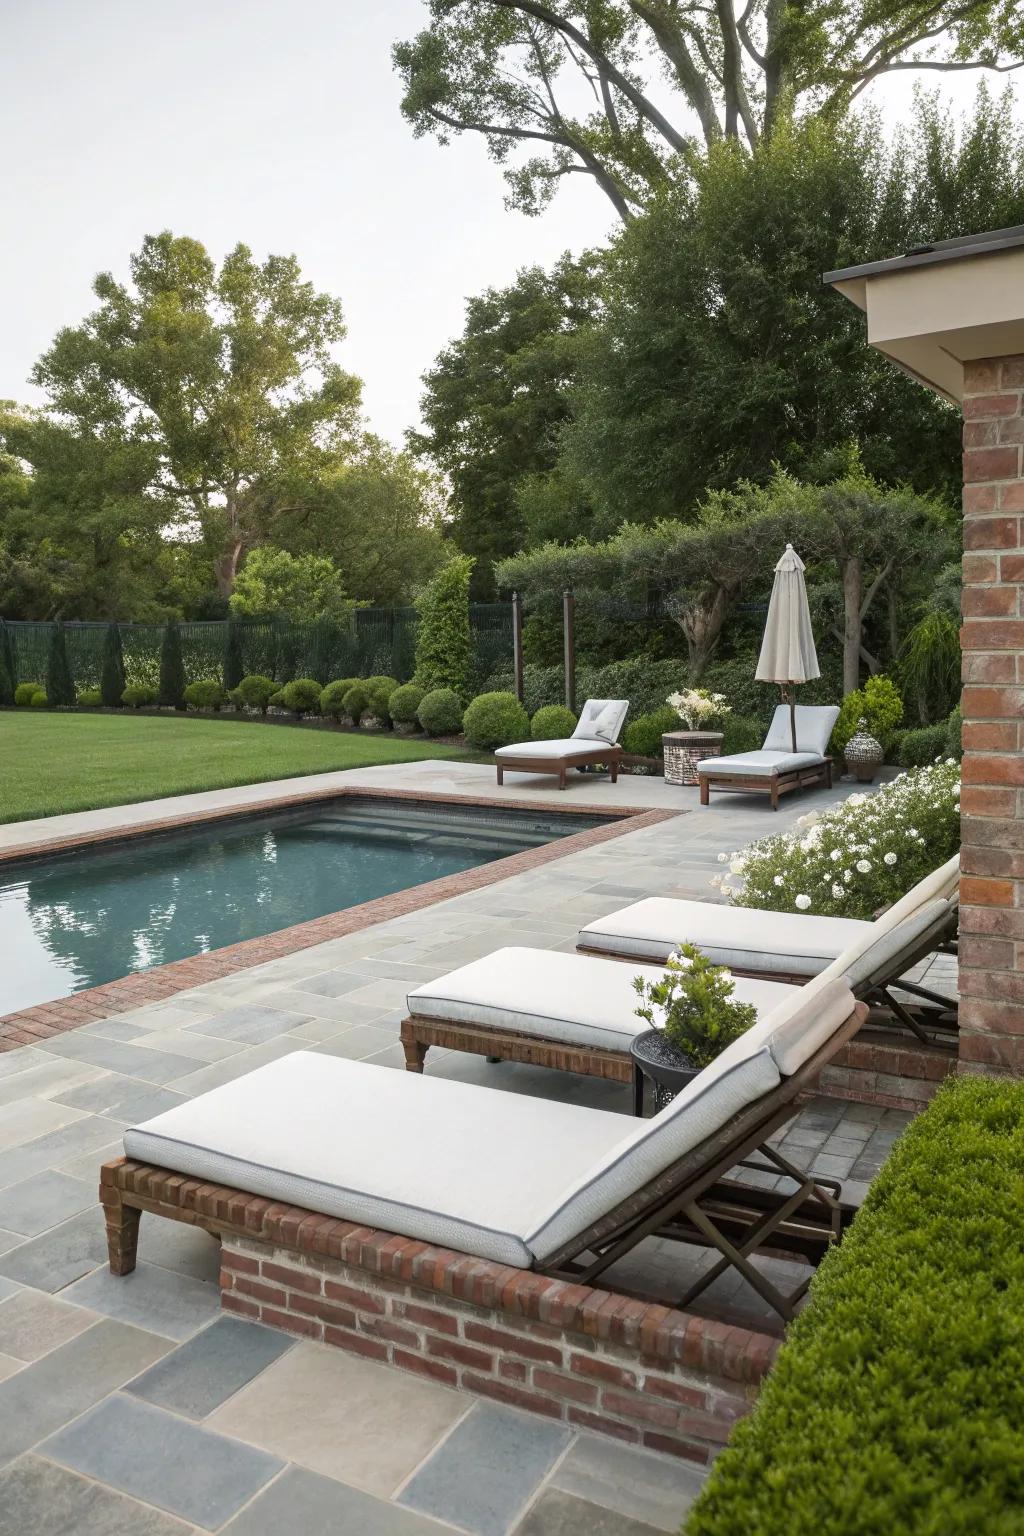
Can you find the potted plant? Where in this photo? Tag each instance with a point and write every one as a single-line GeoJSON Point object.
{"type": "Point", "coordinates": [698, 709]}
{"type": "Point", "coordinates": [692, 1016]}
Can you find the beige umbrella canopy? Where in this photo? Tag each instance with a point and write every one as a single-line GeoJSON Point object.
{"type": "Point", "coordinates": [787, 650]}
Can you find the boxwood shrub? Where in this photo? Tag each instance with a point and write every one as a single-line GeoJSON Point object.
{"type": "Point", "coordinates": [23, 694]}
{"type": "Point", "coordinates": [39, 699]}
{"type": "Point", "coordinates": [205, 693]}
{"type": "Point", "coordinates": [495, 720]}
{"type": "Point", "coordinates": [897, 1400]}
{"type": "Point", "coordinates": [378, 695]}
{"type": "Point", "coordinates": [642, 737]}
{"type": "Point", "coordinates": [404, 702]}
{"type": "Point", "coordinates": [440, 712]}
{"type": "Point", "coordinates": [301, 697]}
{"type": "Point", "coordinates": [356, 701]}
{"type": "Point", "coordinates": [138, 696]}
{"type": "Point", "coordinates": [254, 692]}
{"type": "Point", "coordinates": [923, 746]}
{"type": "Point", "coordinates": [89, 698]}
{"type": "Point", "coordinates": [332, 698]}
{"type": "Point", "coordinates": [552, 723]}
{"type": "Point", "coordinates": [741, 734]}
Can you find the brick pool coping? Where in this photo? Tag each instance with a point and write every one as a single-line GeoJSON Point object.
{"type": "Point", "coordinates": [28, 1026]}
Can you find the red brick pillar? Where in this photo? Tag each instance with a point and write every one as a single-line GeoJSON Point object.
{"type": "Point", "coordinates": [992, 803]}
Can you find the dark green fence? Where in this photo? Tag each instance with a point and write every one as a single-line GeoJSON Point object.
{"type": "Point", "coordinates": [378, 641]}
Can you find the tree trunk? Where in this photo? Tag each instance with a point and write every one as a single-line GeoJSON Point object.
{"type": "Point", "coordinates": [701, 621]}
{"type": "Point", "coordinates": [225, 566]}
{"type": "Point", "coordinates": [851, 571]}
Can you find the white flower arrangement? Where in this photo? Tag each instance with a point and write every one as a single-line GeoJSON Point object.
{"type": "Point", "coordinates": [696, 706]}
{"type": "Point", "coordinates": [864, 854]}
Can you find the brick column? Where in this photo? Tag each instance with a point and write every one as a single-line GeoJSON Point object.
{"type": "Point", "coordinates": [992, 804]}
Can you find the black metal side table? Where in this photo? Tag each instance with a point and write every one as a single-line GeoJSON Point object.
{"type": "Point", "coordinates": [657, 1061]}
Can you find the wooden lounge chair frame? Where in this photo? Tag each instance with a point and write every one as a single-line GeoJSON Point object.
{"type": "Point", "coordinates": [691, 1201]}
{"type": "Point", "coordinates": [934, 1025]}
{"type": "Point", "coordinates": [561, 765]}
{"type": "Point", "coordinates": [773, 784]}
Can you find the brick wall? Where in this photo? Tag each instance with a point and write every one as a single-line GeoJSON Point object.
{"type": "Point", "coordinates": [992, 803]}
{"type": "Point", "coordinates": [637, 1372]}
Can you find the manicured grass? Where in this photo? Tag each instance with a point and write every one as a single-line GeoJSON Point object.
{"type": "Point", "coordinates": [50, 763]}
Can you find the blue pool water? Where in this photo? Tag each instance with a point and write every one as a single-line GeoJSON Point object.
{"type": "Point", "coordinates": [80, 919]}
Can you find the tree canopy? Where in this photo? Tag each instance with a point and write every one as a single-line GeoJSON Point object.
{"type": "Point", "coordinates": [632, 92]}
{"type": "Point", "coordinates": [273, 584]}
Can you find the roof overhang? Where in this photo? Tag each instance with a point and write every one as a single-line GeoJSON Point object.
{"type": "Point", "coordinates": [939, 307]}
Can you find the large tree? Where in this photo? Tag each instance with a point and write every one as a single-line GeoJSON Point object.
{"type": "Point", "coordinates": [496, 399]}
{"type": "Point", "coordinates": [221, 381]}
{"type": "Point", "coordinates": [631, 92]}
{"type": "Point", "coordinates": [720, 351]}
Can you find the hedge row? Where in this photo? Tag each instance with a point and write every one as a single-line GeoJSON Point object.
{"type": "Point", "coordinates": [897, 1401]}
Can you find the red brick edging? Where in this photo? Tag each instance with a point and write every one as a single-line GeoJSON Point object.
{"type": "Point", "coordinates": [45, 1020]}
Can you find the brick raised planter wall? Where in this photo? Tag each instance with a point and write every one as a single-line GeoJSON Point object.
{"type": "Point", "coordinates": [992, 803]}
{"type": "Point", "coordinates": [899, 1073]}
{"type": "Point", "coordinates": [637, 1372]}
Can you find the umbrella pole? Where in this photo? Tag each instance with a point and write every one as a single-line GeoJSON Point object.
{"type": "Point", "coordinates": [792, 713]}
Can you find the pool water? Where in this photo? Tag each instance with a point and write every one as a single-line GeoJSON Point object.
{"type": "Point", "coordinates": [79, 919]}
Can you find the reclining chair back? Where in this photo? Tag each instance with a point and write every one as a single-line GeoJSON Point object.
{"type": "Point", "coordinates": [814, 724]}
{"type": "Point", "coordinates": [602, 720]}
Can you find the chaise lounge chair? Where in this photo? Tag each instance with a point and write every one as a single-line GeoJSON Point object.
{"type": "Point", "coordinates": [595, 740]}
{"type": "Point", "coordinates": [777, 769]}
{"type": "Point", "coordinates": [575, 1013]}
{"type": "Point", "coordinates": [549, 1187]}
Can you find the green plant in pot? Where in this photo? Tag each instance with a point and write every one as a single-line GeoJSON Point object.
{"type": "Point", "coordinates": [693, 1007]}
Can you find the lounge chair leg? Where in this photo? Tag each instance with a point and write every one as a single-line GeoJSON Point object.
{"type": "Point", "coordinates": [705, 791]}
{"type": "Point", "coordinates": [501, 775]}
{"type": "Point", "coordinates": [615, 771]}
{"type": "Point", "coordinates": [122, 1233]}
{"type": "Point", "coordinates": [775, 794]}
{"type": "Point", "coordinates": [415, 1054]}
{"type": "Point", "coordinates": [561, 777]}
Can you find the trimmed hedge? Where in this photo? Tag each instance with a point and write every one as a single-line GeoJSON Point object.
{"type": "Point", "coordinates": [552, 723]}
{"type": "Point", "coordinates": [254, 692]}
{"type": "Point", "coordinates": [897, 1400]}
{"type": "Point", "coordinates": [495, 720]}
{"type": "Point", "coordinates": [642, 737]}
{"type": "Point", "coordinates": [332, 698]}
{"type": "Point", "coordinates": [23, 694]}
{"type": "Point", "coordinates": [302, 697]}
{"type": "Point", "coordinates": [378, 695]}
{"type": "Point", "coordinates": [404, 702]}
{"type": "Point", "coordinates": [138, 695]}
{"type": "Point", "coordinates": [919, 748]}
{"type": "Point", "coordinates": [205, 693]}
{"type": "Point", "coordinates": [440, 712]}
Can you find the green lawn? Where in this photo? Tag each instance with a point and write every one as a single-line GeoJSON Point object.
{"type": "Point", "coordinates": [51, 763]}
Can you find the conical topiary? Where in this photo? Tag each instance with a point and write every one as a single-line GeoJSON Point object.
{"type": "Point", "coordinates": [233, 665]}
{"type": "Point", "coordinates": [171, 691]}
{"type": "Point", "coordinates": [60, 685]}
{"type": "Point", "coordinates": [8, 665]}
{"type": "Point", "coordinates": [112, 678]}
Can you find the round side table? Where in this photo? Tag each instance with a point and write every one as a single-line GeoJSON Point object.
{"type": "Point", "coordinates": [656, 1061]}
{"type": "Point", "coordinates": [685, 749]}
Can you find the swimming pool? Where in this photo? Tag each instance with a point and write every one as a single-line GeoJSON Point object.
{"type": "Point", "coordinates": [78, 919]}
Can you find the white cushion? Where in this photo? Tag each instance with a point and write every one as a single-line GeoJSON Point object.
{"type": "Point", "coordinates": [565, 746]}
{"type": "Point", "coordinates": [575, 998]}
{"type": "Point", "coordinates": [741, 1075]}
{"type": "Point", "coordinates": [814, 724]}
{"type": "Point", "coordinates": [887, 948]}
{"type": "Point", "coordinates": [800, 1024]}
{"type": "Point", "coordinates": [603, 718]}
{"type": "Point", "coordinates": [744, 938]}
{"type": "Point", "coordinates": [470, 1168]}
{"type": "Point", "coordinates": [760, 765]}
{"type": "Point", "coordinates": [942, 882]}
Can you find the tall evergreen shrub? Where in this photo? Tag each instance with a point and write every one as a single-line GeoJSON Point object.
{"type": "Point", "coordinates": [112, 679]}
{"type": "Point", "coordinates": [171, 692]}
{"type": "Point", "coordinates": [8, 665]}
{"type": "Point", "coordinates": [443, 642]}
{"type": "Point", "coordinates": [60, 685]}
{"type": "Point", "coordinates": [233, 665]}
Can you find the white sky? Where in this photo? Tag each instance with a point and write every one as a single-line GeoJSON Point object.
{"type": "Point", "coordinates": [274, 122]}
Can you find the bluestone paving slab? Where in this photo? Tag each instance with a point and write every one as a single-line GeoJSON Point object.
{"type": "Point", "coordinates": [10, 1240]}
{"type": "Point", "coordinates": [146, 1103]}
{"type": "Point", "coordinates": [38, 1498]}
{"type": "Point", "coordinates": [203, 1373]}
{"type": "Point", "coordinates": [60, 1256]}
{"type": "Point", "coordinates": [42, 1397]}
{"type": "Point", "coordinates": [55, 1149]}
{"type": "Point", "coordinates": [303, 1502]}
{"type": "Point", "coordinates": [101, 1092]}
{"type": "Point", "coordinates": [363, 1423]}
{"type": "Point", "coordinates": [179, 1247]}
{"type": "Point", "coordinates": [132, 1060]}
{"type": "Point", "coordinates": [488, 1469]}
{"type": "Point", "coordinates": [30, 1118]}
{"type": "Point", "coordinates": [152, 1455]}
{"type": "Point", "coordinates": [41, 1202]}
{"type": "Point", "coordinates": [8, 1288]}
{"type": "Point", "coordinates": [8, 1366]}
{"type": "Point", "coordinates": [326, 984]}
{"type": "Point", "coordinates": [33, 1323]}
{"type": "Point", "coordinates": [114, 1029]}
{"type": "Point", "coordinates": [251, 1024]}
{"type": "Point", "coordinates": [50, 1078]}
{"type": "Point", "coordinates": [173, 1305]}
{"type": "Point", "coordinates": [199, 1048]}
{"type": "Point", "coordinates": [657, 1490]}
{"type": "Point", "coordinates": [562, 1514]}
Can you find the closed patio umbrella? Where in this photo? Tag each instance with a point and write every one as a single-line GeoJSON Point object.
{"type": "Point", "coordinates": [787, 650]}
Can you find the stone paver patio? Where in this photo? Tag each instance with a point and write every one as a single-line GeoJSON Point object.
{"type": "Point", "coordinates": [133, 1405]}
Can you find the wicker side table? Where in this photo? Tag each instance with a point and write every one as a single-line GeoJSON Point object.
{"type": "Point", "coordinates": [685, 749]}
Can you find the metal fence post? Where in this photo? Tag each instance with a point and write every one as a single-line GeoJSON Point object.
{"type": "Point", "coordinates": [568, 624]}
{"type": "Point", "coordinates": [517, 645]}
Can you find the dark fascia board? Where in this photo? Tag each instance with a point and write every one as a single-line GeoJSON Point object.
{"type": "Point", "coordinates": [941, 250]}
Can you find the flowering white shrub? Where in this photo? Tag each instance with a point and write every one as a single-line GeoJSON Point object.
{"type": "Point", "coordinates": [696, 706]}
{"type": "Point", "coordinates": [857, 857]}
